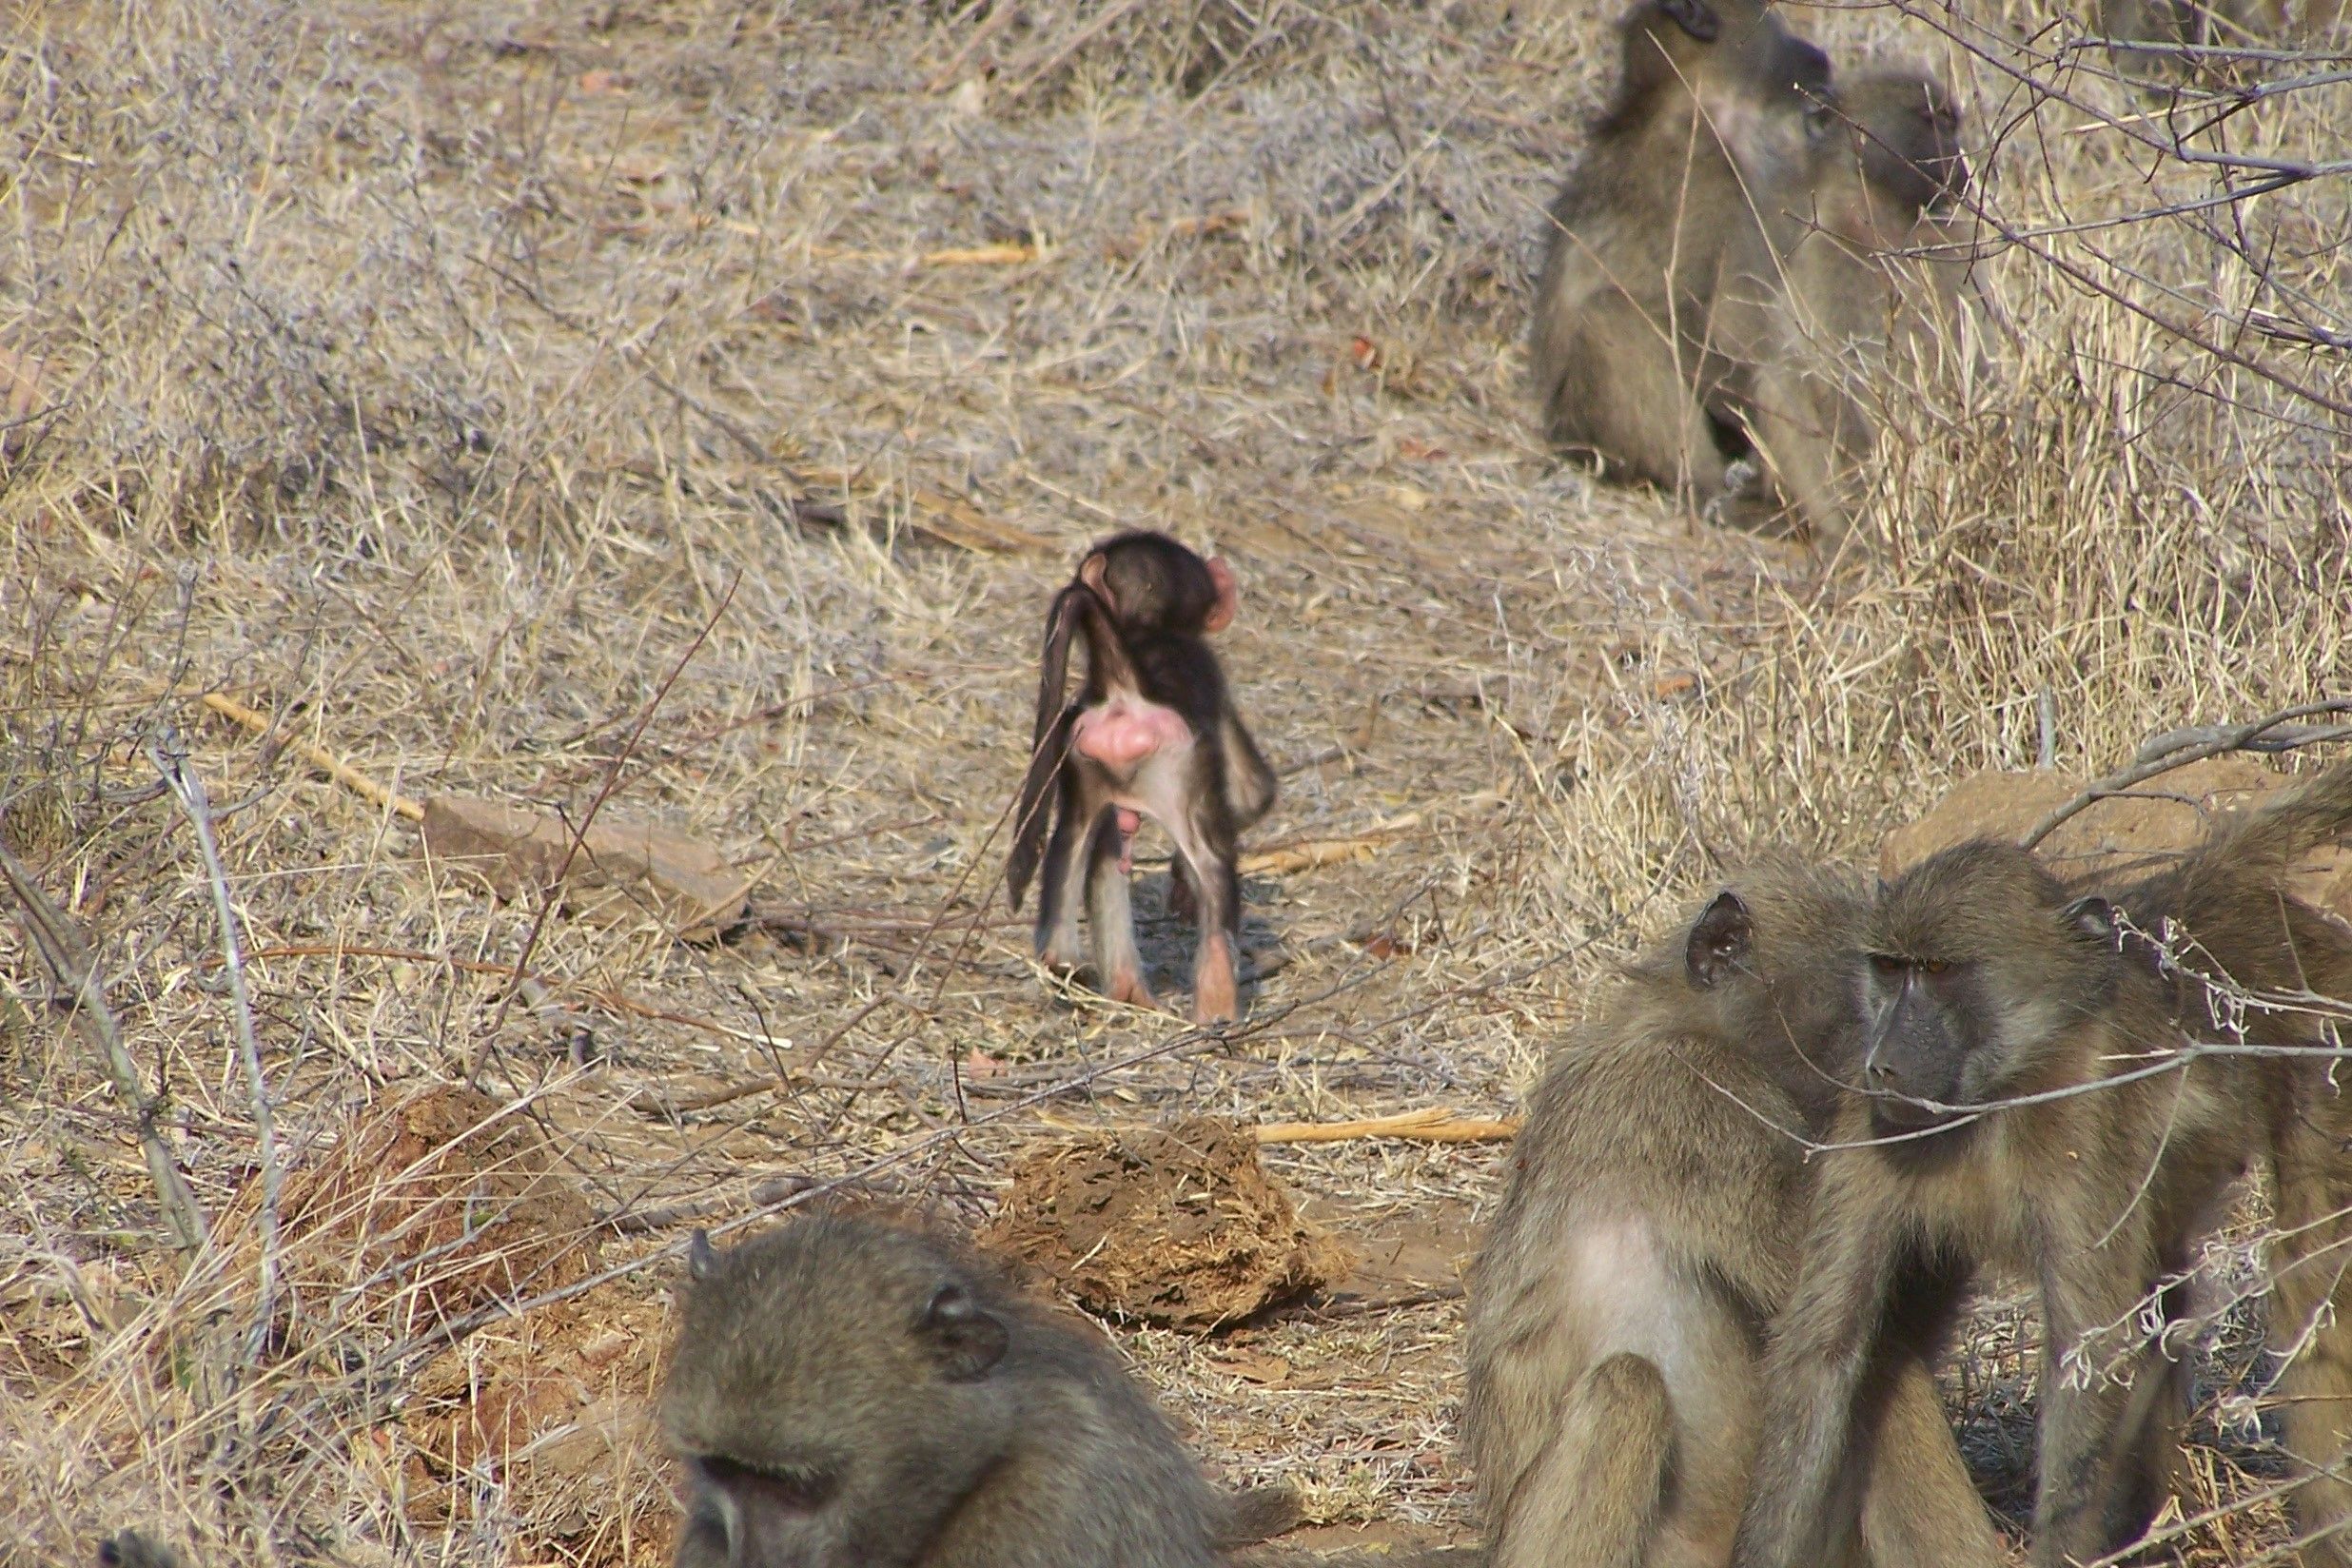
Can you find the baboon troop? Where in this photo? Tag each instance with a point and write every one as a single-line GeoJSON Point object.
{"type": "Point", "coordinates": [1751, 248]}
{"type": "Point", "coordinates": [1651, 1225]}
{"type": "Point", "coordinates": [1755, 1193]}
{"type": "Point", "coordinates": [1716, 101]}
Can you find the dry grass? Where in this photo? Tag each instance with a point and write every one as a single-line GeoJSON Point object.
{"type": "Point", "coordinates": [440, 380]}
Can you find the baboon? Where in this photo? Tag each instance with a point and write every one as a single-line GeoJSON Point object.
{"type": "Point", "coordinates": [848, 1394]}
{"type": "Point", "coordinates": [851, 1394]}
{"type": "Point", "coordinates": [1649, 1232]}
{"type": "Point", "coordinates": [1153, 732]}
{"type": "Point", "coordinates": [135, 1549]}
{"type": "Point", "coordinates": [1715, 99]}
{"type": "Point", "coordinates": [1850, 283]}
{"type": "Point", "coordinates": [2026, 1098]}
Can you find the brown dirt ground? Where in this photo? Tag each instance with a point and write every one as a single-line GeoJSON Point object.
{"type": "Point", "coordinates": [438, 380]}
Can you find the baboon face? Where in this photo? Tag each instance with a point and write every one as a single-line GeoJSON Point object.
{"type": "Point", "coordinates": [1976, 964]}
{"type": "Point", "coordinates": [1907, 133]}
{"type": "Point", "coordinates": [830, 1397]}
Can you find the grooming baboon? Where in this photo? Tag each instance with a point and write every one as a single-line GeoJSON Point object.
{"type": "Point", "coordinates": [1715, 99]}
{"type": "Point", "coordinates": [2026, 1069]}
{"type": "Point", "coordinates": [850, 1393]}
{"type": "Point", "coordinates": [1153, 732]}
{"type": "Point", "coordinates": [1851, 285]}
{"type": "Point", "coordinates": [1649, 1232]}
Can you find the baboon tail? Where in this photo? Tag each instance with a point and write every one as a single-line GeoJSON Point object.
{"type": "Point", "coordinates": [2265, 843]}
{"type": "Point", "coordinates": [2314, 814]}
{"type": "Point", "coordinates": [1594, 1497]}
{"type": "Point", "coordinates": [1259, 1513]}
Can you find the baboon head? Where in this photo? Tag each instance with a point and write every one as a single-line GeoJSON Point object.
{"type": "Point", "coordinates": [1977, 963]}
{"type": "Point", "coordinates": [1734, 57]}
{"type": "Point", "coordinates": [1774, 953]}
{"type": "Point", "coordinates": [1153, 584]}
{"type": "Point", "coordinates": [831, 1395]}
{"type": "Point", "coordinates": [1905, 129]}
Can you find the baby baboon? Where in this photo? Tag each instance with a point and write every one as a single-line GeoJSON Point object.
{"type": "Point", "coordinates": [2039, 1112]}
{"type": "Point", "coordinates": [1650, 1231]}
{"type": "Point", "coordinates": [1714, 99]}
{"type": "Point", "coordinates": [849, 1394]}
{"type": "Point", "coordinates": [1851, 284]}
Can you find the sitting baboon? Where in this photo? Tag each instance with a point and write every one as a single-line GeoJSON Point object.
{"type": "Point", "coordinates": [1850, 286]}
{"type": "Point", "coordinates": [1650, 1231]}
{"type": "Point", "coordinates": [2029, 1098]}
{"type": "Point", "coordinates": [1714, 99]}
{"type": "Point", "coordinates": [848, 1394]}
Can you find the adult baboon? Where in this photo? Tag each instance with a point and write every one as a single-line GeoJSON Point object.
{"type": "Point", "coordinates": [844, 1393]}
{"type": "Point", "coordinates": [1851, 284]}
{"type": "Point", "coordinates": [1715, 99]}
{"type": "Point", "coordinates": [1647, 1233]}
{"type": "Point", "coordinates": [2028, 1072]}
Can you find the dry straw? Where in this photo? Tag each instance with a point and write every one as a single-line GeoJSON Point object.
{"type": "Point", "coordinates": [689, 407]}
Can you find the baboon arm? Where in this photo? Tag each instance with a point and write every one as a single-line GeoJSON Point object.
{"type": "Point", "coordinates": [1802, 1504]}
{"type": "Point", "coordinates": [2086, 1288]}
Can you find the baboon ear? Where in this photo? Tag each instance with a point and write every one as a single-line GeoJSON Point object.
{"type": "Point", "coordinates": [1721, 939]}
{"type": "Point", "coordinates": [1695, 17]}
{"type": "Point", "coordinates": [2091, 918]}
{"type": "Point", "coordinates": [701, 1258]}
{"type": "Point", "coordinates": [963, 1334]}
{"type": "Point", "coordinates": [1093, 572]}
{"type": "Point", "coordinates": [1228, 596]}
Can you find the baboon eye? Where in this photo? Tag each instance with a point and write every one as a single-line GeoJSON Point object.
{"type": "Point", "coordinates": [1935, 966]}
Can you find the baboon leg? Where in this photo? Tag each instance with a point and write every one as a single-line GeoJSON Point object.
{"type": "Point", "coordinates": [1110, 919]}
{"type": "Point", "coordinates": [2147, 1444]}
{"type": "Point", "coordinates": [1622, 396]}
{"type": "Point", "coordinates": [1808, 431]}
{"type": "Point", "coordinates": [2311, 1328]}
{"type": "Point", "coordinates": [1593, 1496]}
{"type": "Point", "coordinates": [1061, 887]}
{"type": "Point", "coordinates": [1208, 859]}
{"type": "Point", "coordinates": [1804, 1501]}
{"type": "Point", "coordinates": [1919, 1506]}
{"type": "Point", "coordinates": [2080, 1506]}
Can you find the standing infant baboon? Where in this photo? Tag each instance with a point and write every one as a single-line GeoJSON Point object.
{"type": "Point", "coordinates": [1715, 99]}
{"type": "Point", "coordinates": [849, 1394]}
{"type": "Point", "coordinates": [2029, 1078]}
{"type": "Point", "coordinates": [1850, 287]}
{"type": "Point", "coordinates": [1648, 1234]}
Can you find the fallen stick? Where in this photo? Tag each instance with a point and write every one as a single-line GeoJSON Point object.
{"type": "Point", "coordinates": [1308, 854]}
{"type": "Point", "coordinates": [50, 932]}
{"type": "Point", "coordinates": [1435, 1124]}
{"type": "Point", "coordinates": [317, 756]}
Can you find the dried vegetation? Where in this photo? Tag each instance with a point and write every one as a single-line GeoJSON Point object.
{"type": "Point", "coordinates": [684, 409]}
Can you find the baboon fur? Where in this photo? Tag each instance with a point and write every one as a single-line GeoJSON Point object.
{"type": "Point", "coordinates": [1989, 982]}
{"type": "Point", "coordinates": [1850, 289]}
{"type": "Point", "coordinates": [1647, 1233]}
{"type": "Point", "coordinates": [1715, 100]}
